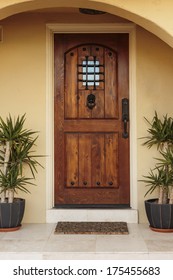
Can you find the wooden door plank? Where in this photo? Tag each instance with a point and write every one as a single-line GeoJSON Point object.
{"type": "Point", "coordinates": [71, 100]}
{"type": "Point", "coordinates": [59, 120]}
{"type": "Point", "coordinates": [98, 110]}
{"type": "Point", "coordinates": [83, 52]}
{"type": "Point", "coordinates": [111, 100]}
{"type": "Point", "coordinates": [97, 155]}
{"type": "Point", "coordinates": [84, 160]}
{"type": "Point", "coordinates": [84, 111]}
{"type": "Point", "coordinates": [91, 126]}
{"type": "Point", "coordinates": [71, 154]}
{"type": "Point", "coordinates": [111, 160]}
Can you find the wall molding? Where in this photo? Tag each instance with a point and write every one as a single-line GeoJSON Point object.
{"type": "Point", "coordinates": [51, 29]}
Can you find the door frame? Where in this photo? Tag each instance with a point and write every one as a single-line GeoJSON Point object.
{"type": "Point", "coordinates": [51, 29]}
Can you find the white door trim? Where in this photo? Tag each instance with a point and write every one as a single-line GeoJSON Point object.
{"type": "Point", "coordinates": [88, 28]}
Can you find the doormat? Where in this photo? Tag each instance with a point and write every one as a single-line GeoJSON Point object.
{"type": "Point", "coordinates": [91, 228]}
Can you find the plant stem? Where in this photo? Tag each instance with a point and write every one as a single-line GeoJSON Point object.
{"type": "Point", "coordinates": [160, 195]}
{"type": "Point", "coordinates": [10, 196]}
{"type": "Point", "coordinates": [2, 195]}
{"type": "Point", "coordinates": [6, 157]}
{"type": "Point", "coordinates": [163, 195]}
{"type": "Point", "coordinates": [6, 161]}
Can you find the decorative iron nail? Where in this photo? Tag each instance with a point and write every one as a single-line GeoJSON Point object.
{"type": "Point", "coordinates": [72, 54]}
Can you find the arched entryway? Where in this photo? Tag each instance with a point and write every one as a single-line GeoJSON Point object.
{"type": "Point", "coordinates": [125, 12]}
{"type": "Point", "coordinates": [154, 16]}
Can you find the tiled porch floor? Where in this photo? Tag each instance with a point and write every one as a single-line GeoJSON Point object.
{"type": "Point", "coordinates": [38, 242]}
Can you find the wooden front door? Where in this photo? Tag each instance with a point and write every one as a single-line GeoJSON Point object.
{"type": "Point", "coordinates": [91, 123]}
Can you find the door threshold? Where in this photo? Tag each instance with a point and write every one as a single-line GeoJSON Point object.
{"type": "Point", "coordinates": [55, 215]}
{"type": "Point", "coordinates": [92, 206]}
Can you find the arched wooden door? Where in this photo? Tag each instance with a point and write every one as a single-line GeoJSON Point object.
{"type": "Point", "coordinates": [91, 123]}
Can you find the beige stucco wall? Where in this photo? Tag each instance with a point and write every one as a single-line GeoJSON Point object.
{"type": "Point", "coordinates": [22, 90]}
{"type": "Point", "coordinates": [154, 92]}
{"type": "Point", "coordinates": [23, 87]}
{"type": "Point", "coordinates": [154, 71]}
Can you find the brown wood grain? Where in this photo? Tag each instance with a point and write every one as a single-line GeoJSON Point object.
{"type": "Point", "coordinates": [71, 101]}
{"type": "Point", "coordinates": [92, 125]}
{"type": "Point", "coordinates": [98, 160]}
{"type": "Point", "coordinates": [91, 156]}
{"type": "Point", "coordinates": [85, 169]}
{"type": "Point", "coordinates": [111, 159]}
{"type": "Point", "coordinates": [71, 157]}
{"type": "Point", "coordinates": [84, 111]}
{"type": "Point", "coordinates": [98, 110]}
{"type": "Point", "coordinates": [111, 86]}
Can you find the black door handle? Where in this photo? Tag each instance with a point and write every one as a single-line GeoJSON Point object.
{"type": "Point", "coordinates": [125, 116]}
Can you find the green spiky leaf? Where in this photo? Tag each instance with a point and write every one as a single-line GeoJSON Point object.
{"type": "Point", "coordinates": [21, 154]}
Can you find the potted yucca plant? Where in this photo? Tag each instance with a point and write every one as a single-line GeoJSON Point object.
{"type": "Point", "coordinates": [160, 210]}
{"type": "Point", "coordinates": [16, 153]}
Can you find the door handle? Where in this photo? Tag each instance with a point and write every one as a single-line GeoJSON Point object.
{"type": "Point", "coordinates": [125, 116]}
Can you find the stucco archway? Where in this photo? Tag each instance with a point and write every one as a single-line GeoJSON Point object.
{"type": "Point", "coordinates": [154, 16]}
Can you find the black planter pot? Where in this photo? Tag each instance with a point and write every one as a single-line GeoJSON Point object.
{"type": "Point", "coordinates": [11, 214]}
{"type": "Point", "coordinates": [160, 216]}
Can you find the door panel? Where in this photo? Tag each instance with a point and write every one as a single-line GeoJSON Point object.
{"type": "Point", "coordinates": [91, 160]}
{"type": "Point", "coordinates": [97, 155]}
{"type": "Point", "coordinates": [91, 155]}
{"type": "Point", "coordinates": [85, 160]}
{"type": "Point", "coordinates": [71, 164]}
{"type": "Point", "coordinates": [111, 160]}
{"type": "Point", "coordinates": [111, 100]}
{"type": "Point", "coordinates": [71, 106]}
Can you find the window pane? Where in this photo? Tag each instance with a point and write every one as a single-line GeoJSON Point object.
{"type": "Point", "coordinates": [90, 69]}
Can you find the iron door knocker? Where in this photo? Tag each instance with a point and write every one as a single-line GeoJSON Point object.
{"type": "Point", "coordinates": [91, 101]}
